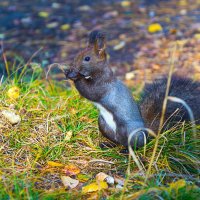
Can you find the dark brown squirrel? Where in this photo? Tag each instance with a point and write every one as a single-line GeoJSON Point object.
{"type": "Point", "coordinates": [119, 114]}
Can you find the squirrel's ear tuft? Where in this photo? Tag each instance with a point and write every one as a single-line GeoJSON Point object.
{"type": "Point", "coordinates": [97, 39]}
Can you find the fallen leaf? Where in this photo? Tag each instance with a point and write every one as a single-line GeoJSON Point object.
{"type": "Point", "coordinates": [71, 170]}
{"type": "Point", "coordinates": [155, 27]}
{"type": "Point", "coordinates": [94, 187]}
{"type": "Point", "coordinates": [183, 2]}
{"type": "Point", "coordinates": [156, 66]}
{"type": "Point", "coordinates": [125, 3]}
{"type": "Point", "coordinates": [197, 36]}
{"type": "Point", "coordinates": [65, 27]}
{"type": "Point", "coordinates": [84, 8]}
{"type": "Point", "coordinates": [11, 117]}
{"type": "Point", "coordinates": [13, 92]}
{"type": "Point", "coordinates": [119, 46]}
{"type": "Point", "coordinates": [43, 14]}
{"type": "Point", "coordinates": [69, 182]}
{"type": "Point", "coordinates": [54, 164]}
{"type": "Point", "coordinates": [93, 196]}
{"type": "Point", "coordinates": [52, 25]}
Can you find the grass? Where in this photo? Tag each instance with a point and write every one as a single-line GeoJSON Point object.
{"type": "Point", "coordinates": [49, 111]}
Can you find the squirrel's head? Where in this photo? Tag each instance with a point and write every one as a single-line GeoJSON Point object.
{"type": "Point", "coordinates": [92, 59]}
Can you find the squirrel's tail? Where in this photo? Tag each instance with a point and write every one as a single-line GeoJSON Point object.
{"type": "Point", "coordinates": [153, 96]}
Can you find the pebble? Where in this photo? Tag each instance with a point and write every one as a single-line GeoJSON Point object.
{"type": "Point", "coordinates": [52, 25]}
{"type": "Point", "coordinates": [110, 180]}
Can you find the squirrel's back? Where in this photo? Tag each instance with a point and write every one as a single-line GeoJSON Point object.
{"type": "Point", "coordinates": [153, 96]}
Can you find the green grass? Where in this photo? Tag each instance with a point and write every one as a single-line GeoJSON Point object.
{"type": "Point", "coordinates": [49, 110]}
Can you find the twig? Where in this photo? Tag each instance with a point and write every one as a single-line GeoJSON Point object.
{"type": "Point", "coordinates": [100, 161]}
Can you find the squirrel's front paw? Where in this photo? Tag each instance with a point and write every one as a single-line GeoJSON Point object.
{"type": "Point", "coordinates": [71, 74]}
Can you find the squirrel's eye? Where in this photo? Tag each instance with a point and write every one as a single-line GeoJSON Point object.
{"type": "Point", "coordinates": [87, 58]}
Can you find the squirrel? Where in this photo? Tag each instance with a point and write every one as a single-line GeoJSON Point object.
{"type": "Point", "coordinates": [119, 114]}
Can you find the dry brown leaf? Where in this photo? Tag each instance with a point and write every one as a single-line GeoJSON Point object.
{"type": "Point", "coordinates": [71, 170]}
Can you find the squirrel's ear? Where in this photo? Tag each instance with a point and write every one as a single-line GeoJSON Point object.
{"type": "Point", "coordinates": [97, 40]}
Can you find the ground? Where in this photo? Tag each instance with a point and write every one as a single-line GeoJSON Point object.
{"type": "Point", "coordinates": [57, 136]}
{"type": "Point", "coordinates": [59, 30]}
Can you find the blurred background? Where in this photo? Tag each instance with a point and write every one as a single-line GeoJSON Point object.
{"type": "Point", "coordinates": [141, 34]}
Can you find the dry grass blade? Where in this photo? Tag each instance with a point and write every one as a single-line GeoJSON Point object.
{"type": "Point", "coordinates": [57, 65]}
{"type": "Point", "coordinates": [24, 69]}
{"type": "Point", "coordinates": [187, 107]}
{"type": "Point", "coordinates": [138, 163]}
{"type": "Point", "coordinates": [5, 59]}
{"type": "Point", "coordinates": [172, 61]}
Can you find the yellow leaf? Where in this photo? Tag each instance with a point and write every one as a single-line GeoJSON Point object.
{"type": "Point", "coordinates": [65, 27]}
{"type": "Point", "coordinates": [13, 92]}
{"type": "Point", "coordinates": [125, 3]}
{"type": "Point", "coordinates": [43, 14]}
{"type": "Point", "coordinates": [54, 164]}
{"type": "Point", "coordinates": [94, 187]}
{"type": "Point", "coordinates": [197, 36]}
{"type": "Point", "coordinates": [156, 27]}
{"type": "Point", "coordinates": [177, 185]}
{"type": "Point", "coordinates": [183, 3]}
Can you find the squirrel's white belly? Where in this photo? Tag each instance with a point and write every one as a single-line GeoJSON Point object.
{"type": "Point", "coordinates": [108, 117]}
